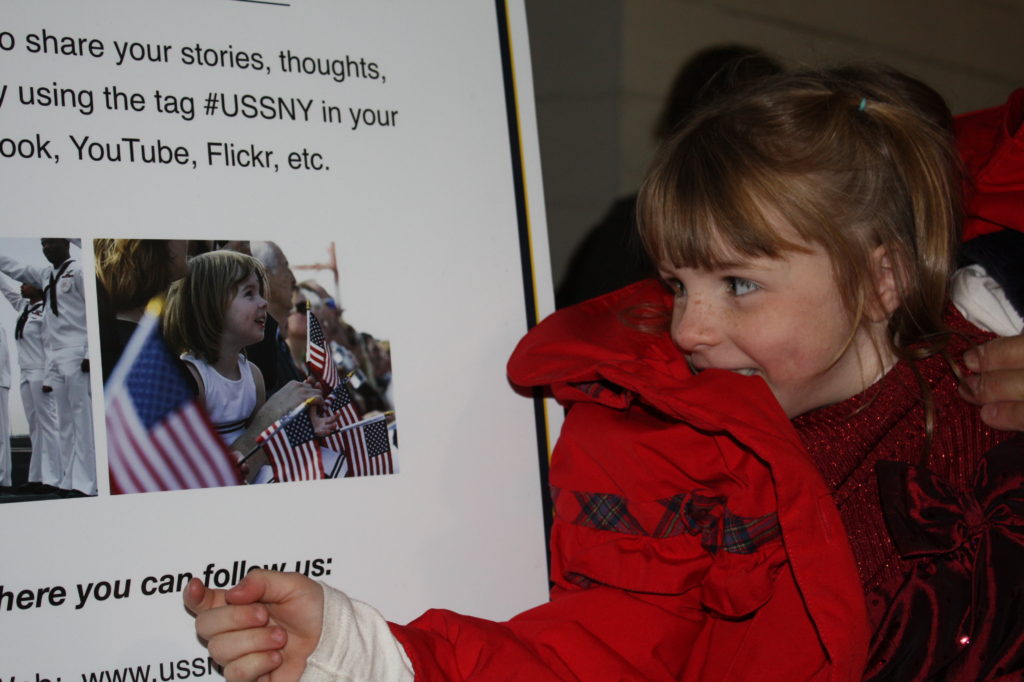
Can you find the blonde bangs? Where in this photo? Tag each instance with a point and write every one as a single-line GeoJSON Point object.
{"type": "Point", "coordinates": [705, 207]}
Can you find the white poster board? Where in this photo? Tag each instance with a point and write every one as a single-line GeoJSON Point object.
{"type": "Point", "coordinates": [400, 131]}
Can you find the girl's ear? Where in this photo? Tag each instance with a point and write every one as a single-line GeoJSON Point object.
{"type": "Point", "coordinates": [886, 278]}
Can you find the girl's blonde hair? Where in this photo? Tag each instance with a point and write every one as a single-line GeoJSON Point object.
{"type": "Point", "coordinates": [852, 159]}
{"type": "Point", "coordinates": [196, 304]}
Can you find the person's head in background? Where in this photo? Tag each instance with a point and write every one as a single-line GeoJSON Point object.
{"type": "Point", "coordinates": [379, 354]}
{"type": "Point", "coordinates": [133, 271]}
{"type": "Point", "coordinates": [611, 255]}
{"type": "Point", "coordinates": [55, 250]}
{"type": "Point", "coordinates": [280, 280]}
{"type": "Point", "coordinates": [708, 74]}
{"type": "Point", "coordinates": [807, 225]}
{"type": "Point", "coordinates": [324, 307]}
{"type": "Point", "coordinates": [294, 329]}
{"type": "Point", "coordinates": [239, 245]}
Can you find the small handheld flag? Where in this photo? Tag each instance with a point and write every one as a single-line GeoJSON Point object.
{"type": "Point", "coordinates": [318, 352]}
{"type": "Point", "coordinates": [368, 446]}
{"type": "Point", "coordinates": [290, 444]}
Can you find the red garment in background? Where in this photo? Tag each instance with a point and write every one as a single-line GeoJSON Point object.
{"type": "Point", "coordinates": [693, 538]}
{"type": "Point", "coordinates": [991, 144]}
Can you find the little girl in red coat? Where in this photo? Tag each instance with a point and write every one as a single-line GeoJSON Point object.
{"type": "Point", "coordinates": [766, 471]}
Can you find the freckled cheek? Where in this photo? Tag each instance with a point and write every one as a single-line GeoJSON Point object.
{"type": "Point", "coordinates": [785, 358]}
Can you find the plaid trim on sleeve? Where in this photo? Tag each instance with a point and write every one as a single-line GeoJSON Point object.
{"type": "Point", "coordinates": [592, 388]}
{"type": "Point", "coordinates": [691, 513]}
{"type": "Point", "coordinates": [745, 535]}
{"type": "Point", "coordinates": [604, 511]}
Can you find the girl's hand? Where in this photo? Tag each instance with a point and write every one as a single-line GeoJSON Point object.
{"type": "Point", "coordinates": [263, 629]}
{"type": "Point", "coordinates": [998, 382]}
{"type": "Point", "coordinates": [282, 402]}
{"type": "Point", "coordinates": [279, 404]}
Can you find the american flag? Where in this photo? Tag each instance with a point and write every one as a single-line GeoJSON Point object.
{"type": "Point", "coordinates": [366, 445]}
{"type": "Point", "coordinates": [339, 402]}
{"type": "Point", "coordinates": [318, 352]}
{"type": "Point", "coordinates": [369, 448]}
{"type": "Point", "coordinates": [291, 445]}
{"type": "Point", "coordinates": [158, 435]}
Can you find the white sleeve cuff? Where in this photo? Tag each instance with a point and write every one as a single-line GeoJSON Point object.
{"type": "Point", "coordinates": [983, 303]}
{"type": "Point", "coordinates": [355, 645]}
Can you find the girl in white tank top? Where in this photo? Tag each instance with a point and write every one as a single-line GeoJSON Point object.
{"type": "Point", "coordinates": [212, 314]}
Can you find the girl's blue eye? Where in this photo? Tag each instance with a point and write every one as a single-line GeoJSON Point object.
{"type": "Point", "coordinates": [675, 286]}
{"type": "Point", "coordinates": [739, 286]}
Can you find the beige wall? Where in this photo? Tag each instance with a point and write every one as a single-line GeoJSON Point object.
{"type": "Point", "coordinates": [601, 68]}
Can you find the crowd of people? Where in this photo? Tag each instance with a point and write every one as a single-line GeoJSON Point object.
{"type": "Point", "coordinates": [53, 356]}
{"type": "Point", "coordinates": [237, 317]}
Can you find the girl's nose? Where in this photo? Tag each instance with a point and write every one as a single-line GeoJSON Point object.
{"type": "Point", "coordinates": [695, 324]}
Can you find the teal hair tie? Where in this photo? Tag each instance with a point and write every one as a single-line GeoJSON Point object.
{"type": "Point", "coordinates": [863, 104]}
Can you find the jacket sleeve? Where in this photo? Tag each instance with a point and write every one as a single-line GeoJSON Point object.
{"type": "Point", "coordinates": [595, 634]}
{"type": "Point", "coordinates": [605, 633]}
{"type": "Point", "coordinates": [355, 645]}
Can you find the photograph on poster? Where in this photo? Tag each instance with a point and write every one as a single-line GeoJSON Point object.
{"type": "Point", "coordinates": [241, 373]}
{"type": "Point", "coordinates": [47, 449]}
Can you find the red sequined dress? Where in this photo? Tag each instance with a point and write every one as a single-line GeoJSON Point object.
{"type": "Point", "coordinates": [936, 533]}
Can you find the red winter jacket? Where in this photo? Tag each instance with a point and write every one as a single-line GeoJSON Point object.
{"type": "Point", "coordinates": [692, 540]}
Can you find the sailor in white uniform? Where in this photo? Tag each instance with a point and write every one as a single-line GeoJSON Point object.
{"type": "Point", "coordinates": [40, 412]}
{"type": "Point", "coordinates": [67, 357]}
{"type": "Point", "coordinates": [5, 417]}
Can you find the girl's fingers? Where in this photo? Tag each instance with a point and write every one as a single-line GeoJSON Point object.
{"type": "Point", "coordinates": [217, 621]}
{"type": "Point", "coordinates": [231, 647]}
{"type": "Point", "coordinates": [253, 667]}
{"type": "Point", "coordinates": [199, 598]}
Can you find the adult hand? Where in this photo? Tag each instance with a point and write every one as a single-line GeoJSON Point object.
{"type": "Point", "coordinates": [262, 629]}
{"type": "Point", "coordinates": [998, 382]}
